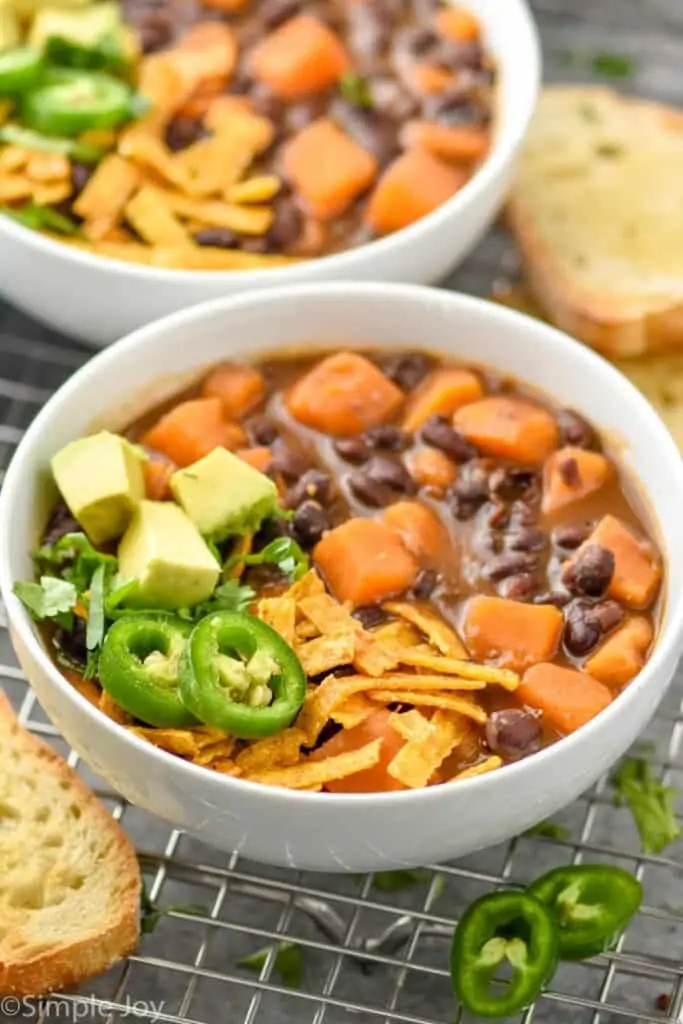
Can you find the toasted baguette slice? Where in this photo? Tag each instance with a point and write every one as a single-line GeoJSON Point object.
{"type": "Point", "coordinates": [597, 212]}
{"type": "Point", "coordinates": [69, 878]}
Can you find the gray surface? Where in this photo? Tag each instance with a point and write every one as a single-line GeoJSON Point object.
{"type": "Point", "coordinates": [189, 963]}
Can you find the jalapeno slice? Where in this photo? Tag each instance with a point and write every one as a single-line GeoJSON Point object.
{"type": "Point", "coordinates": [502, 928]}
{"type": "Point", "coordinates": [592, 904]}
{"type": "Point", "coordinates": [71, 102]}
{"type": "Point", "coordinates": [239, 675]}
{"type": "Point", "coordinates": [138, 667]}
{"type": "Point", "coordinates": [20, 69]}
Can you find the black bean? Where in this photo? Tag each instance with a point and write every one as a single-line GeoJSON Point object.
{"type": "Point", "coordinates": [425, 584]}
{"type": "Point", "coordinates": [502, 566]}
{"type": "Point", "coordinates": [80, 176]}
{"type": "Point", "coordinates": [406, 369]}
{"type": "Point", "coordinates": [608, 614]}
{"type": "Point", "coordinates": [574, 430]}
{"type": "Point", "coordinates": [590, 572]}
{"type": "Point", "coordinates": [387, 439]}
{"type": "Point", "coordinates": [287, 461]}
{"type": "Point", "coordinates": [438, 433]}
{"type": "Point", "coordinates": [274, 12]}
{"type": "Point", "coordinates": [352, 449]}
{"type": "Point", "coordinates": [370, 615]}
{"type": "Point", "coordinates": [522, 587]}
{"type": "Point", "coordinates": [581, 630]}
{"type": "Point", "coordinates": [510, 483]}
{"type": "Point", "coordinates": [392, 100]}
{"type": "Point", "coordinates": [454, 108]}
{"type": "Point", "coordinates": [371, 492]}
{"type": "Point", "coordinates": [183, 131]}
{"type": "Point", "coordinates": [309, 523]}
{"type": "Point", "coordinates": [155, 30]}
{"type": "Point", "coordinates": [300, 115]}
{"type": "Point", "coordinates": [557, 597]}
{"type": "Point", "coordinates": [261, 430]}
{"type": "Point", "coordinates": [370, 130]}
{"type": "Point", "coordinates": [570, 537]}
{"type": "Point", "coordinates": [286, 227]}
{"type": "Point", "coordinates": [59, 524]}
{"type": "Point", "coordinates": [421, 42]}
{"type": "Point", "coordinates": [513, 734]}
{"type": "Point", "coordinates": [526, 538]}
{"type": "Point", "coordinates": [522, 512]}
{"type": "Point", "coordinates": [265, 103]}
{"type": "Point", "coordinates": [313, 484]}
{"type": "Point", "coordinates": [255, 244]}
{"type": "Point", "coordinates": [219, 238]}
{"type": "Point", "coordinates": [390, 473]}
{"type": "Point", "coordinates": [473, 482]}
{"type": "Point", "coordinates": [73, 642]}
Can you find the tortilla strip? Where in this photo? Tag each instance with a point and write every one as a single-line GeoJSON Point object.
{"type": "Point", "coordinates": [419, 758]}
{"type": "Point", "coordinates": [215, 164]}
{"type": "Point", "coordinates": [247, 220]}
{"type": "Point", "coordinates": [489, 765]}
{"type": "Point", "coordinates": [310, 585]}
{"type": "Point", "coordinates": [14, 189]}
{"type": "Point", "coordinates": [439, 633]}
{"type": "Point", "coordinates": [260, 189]}
{"type": "Point", "coordinates": [175, 741]}
{"type": "Point", "coordinates": [152, 220]}
{"type": "Point", "coordinates": [13, 159]}
{"type": "Point", "coordinates": [152, 153]}
{"type": "Point", "coordinates": [317, 773]}
{"type": "Point", "coordinates": [281, 750]}
{"type": "Point", "coordinates": [215, 752]}
{"type": "Point", "coordinates": [332, 618]}
{"type": "Point", "coordinates": [48, 167]}
{"type": "Point", "coordinates": [467, 669]}
{"type": "Point", "coordinates": [353, 711]}
{"type": "Point", "coordinates": [101, 202]}
{"type": "Point", "coordinates": [52, 192]}
{"type": "Point", "coordinates": [447, 701]}
{"type": "Point", "coordinates": [111, 709]}
{"type": "Point", "coordinates": [326, 652]}
{"type": "Point", "coordinates": [280, 614]}
{"type": "Point", "coordinates": [411, 725]}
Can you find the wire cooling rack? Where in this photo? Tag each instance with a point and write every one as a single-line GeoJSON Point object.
{"type": "Point", "coordinates": [371, 955]}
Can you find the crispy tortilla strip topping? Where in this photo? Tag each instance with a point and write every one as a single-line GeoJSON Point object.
{"type": "Point", "coordinates": [111, 709]}
{"type": "Point", "coordinates": [310, 585]}
{"type": "Point", "coordinates": [155, 155]}
{"type": "Point", "coordinates": [253, 220]}
{"type": "Point", "coordinates": [214, 752]}
{"type": "Point", "coordinates": [438, 632]}
{"type": "Point", "coordinates": [305, 630]}
{"type": "Point", "coordinates": [326, 652]}
{"type": "Point", "coordinates": [101, 202]}
{"type": "Point", "coordinates": [489, 765]}
{"type": "Point", "coordinates": [281, 750]}
{"type": "Point", "coordinates": [467, 669]}
{"type": "Point", "coordinates": [175, 741]}
{"type": "Point", "coordinates": [353, 711]}
{"type": "Point", "coordinates": [334, 619]}
{"type": "Point", "coordinates": [411, 725]}
{"type": "Point", "coordinates": [48, 167]}
{"type": "Point", "coordinates": [317, 773]}
{"type": "Point", "coordinates": [52, 192]}
{"type": "Point", "coordinates": [447, 701]}
{"type": "Point", "coordinates": [417, 761]}
{"type": "Point", "coordinates": [397, 634]}
{"type": "Point", "coordinates": [14, 189]}
{"type": "Point", "coordinates": [226, 767]}
{"type": "Point", "coordinates": [151, 218]}
{"type": "Point", "coordinates": [280, 613]}
{"type": "Point", "coordinates": [254, 190]}
{"type": "Point", "coordinates": [215, 164]}
{"type": "Point", "coordinates": [86, 687]}
{"type": "Point", "coordinates": [13, 159]}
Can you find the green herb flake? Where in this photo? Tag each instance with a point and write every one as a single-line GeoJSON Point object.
{"type": "Point", "coordinates": [356, 91]}
{"type": "Point", "coordinates": [95, 627]}
{"type": "Point", "coordinates": [288, 964]}
{"type": "Point", "coordinates": [51, 598]}
{"type": "Point", "coordinates": [151, 913]}
{"type": "Point", "coordinates": [83, 152]}
{"type": "Point", "coordinates": [613, 65]}
{"type": "Point", "coordinates": [283, 552]}
{"type": "Point", "coordinates": [548, 830]}
{"type": "Point", "coordinates": [651, 803]}
{"type": "Point", "coordinates": [75, 557]}
{"type": "Point", "coordinates": [398, 881]}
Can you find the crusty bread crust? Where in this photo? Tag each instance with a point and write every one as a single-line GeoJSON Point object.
{"type": "Point", "coordinates": [103, 940]}
{"type": "Point", "coordinates": [610, 323]}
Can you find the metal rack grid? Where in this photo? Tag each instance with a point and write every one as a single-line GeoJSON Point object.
{"type": "Point", "coordinates": [370, 955]}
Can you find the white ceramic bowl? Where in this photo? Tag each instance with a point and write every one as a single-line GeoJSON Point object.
{"type": "Point", "coordinates": [317, 831]}
{"type": "Point", "coordinates": [99, 300]}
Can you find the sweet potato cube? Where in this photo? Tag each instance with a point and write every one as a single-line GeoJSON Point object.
{"type": "Point", "coordinates": [420, 530]}
{"type": "Point", "coordinates": [327, 168]}
{"type": "Point", "coordinates": [637, 568]}
{"type": "Point", "coordinates": [431, 468]}
{"type": "Point", "coordinates": [440, 394]}
{"type": "Point", "coordinates": [567, 698]}
{"type": "Point", "coordinates": [191, 430]}
{"type": "Point", "coordinates": [512, 634]}
{"type": "Point", "coordinates": [300, 58]}
{"type": "Point", "coordinates": [510, 428]}
{"type": "Point", "coordinates": [621, 657]}
{"type": "Point", "coordinates": [570, 475]}
{"type": "Point", "coordinates": [364, 561]}
{"type": "Point", "coordinates": [344, 394]}
{"type": "Point", "coordinates": [240, 388]}
{"type": "Point", "coordinates": [415, 184]}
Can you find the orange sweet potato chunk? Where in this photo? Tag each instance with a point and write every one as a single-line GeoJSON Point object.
{"type": "Point", "coordinates": [327, 168]}
{"type": "Point", "coordinates": [300, 58]}
{"type": "Point", "coordinates": [431, 468]}
{"type": "Point", "coordinates": [420, 530]}
{"type": "Point", "coordinates": [191, 430]}
{"type": "Point", "coordinates": [457, 143]}
{"type": "Point", "coordinates": [240, 388]}
{"type": "Point", "coordinates": [364, 561]}
{"type": "Point", "coordinates": [260, 458]}
{"type": "Point", "coordinates": [415, 184]}
{"type": "Point", "coordinates": [637, 568]}
{"type": "Point", "coordinates": [440, 394]}
{"type": "Point", "coordinates": [512, 634]}
{"type": "Point", "coordinates": [456, 23]}
{"type": "Point", "coordinates": [570, 475]}
{"type": "Point", "coordinates": [344, 394]}
{"type": "Point", "coordinates": [567, 698]}
{"type": "Point", "coordinates": [510, 428]}
{"type": "Point", "coordinates": [621, 657]}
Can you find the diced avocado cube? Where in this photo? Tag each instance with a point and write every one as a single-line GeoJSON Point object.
{"type": "Point", "coordinates": [164, 551]}
{"type": "Point", "coordinates": [10, 30]}
{"type": "Point", "coordinates": [223, 495]}
{"type": "Point", "coordinates": [85, 26]}
{"type": "Point", "coordinates": [101, 479]}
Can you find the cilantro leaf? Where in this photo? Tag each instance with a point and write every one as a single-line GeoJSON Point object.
{"type": "Point", "coordinates": [356, 91]}
{"type": "Point", "coordinates": [75, 557]}
{"type": "Point", "coordinates": [283, 552]}
{"type": "Point", "coordinates": [288, 965]}
{"type": "Point", "coordinates": [95, 629]}
{"type": "Point", "coordinates": [548, 830]}
{"type": "Point", "coordinates": [651, 803]}
{"type": "Point", "coordinates": [397, 881]}
{"type": "Point", "coordinates": [37, 217]}
{"type": "Point", "coordinates": [51, 598]}
{"type": "Point", "coordinates": [119, 593]}
{"type": "Point", "coordinates": [614, 65]}
{"type": "Point", "coordinates": [232, 596]}
{"type": "Point", "coordinates": [151, 913]}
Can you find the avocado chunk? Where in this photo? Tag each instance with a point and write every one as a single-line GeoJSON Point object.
{"type": "Point", "coordinates": [164, 551]}
{"type": "Point", "coordinates": [223, 495]}
{"type": "Point", "coordinates": [10, 30]}
{"type": "Point", "coordinates": [101, 479]}
{"type": "Point", "coordinates": [87, 28]}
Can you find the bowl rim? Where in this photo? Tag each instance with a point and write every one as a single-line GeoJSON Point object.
{"type": "Point", "coordinates": [528, 50]}
{"type": "Point", "coordinates": [671, 633]}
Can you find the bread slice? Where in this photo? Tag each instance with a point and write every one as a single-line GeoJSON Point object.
{"type": "Point", "coordinates": [597, 212]}
{"type": "Point", "coordinates": [69, 878]}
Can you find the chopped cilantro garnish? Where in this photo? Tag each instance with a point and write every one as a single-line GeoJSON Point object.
{"type": "Point", "coordinates": [95, 630]}
{"type": "Point", "coordinates": [51, 598]}
{"type": "Point", "coordinates": [548, 830]}
{"type": "Point", "coordinates": [397, 881]}
{"type": "Point", "coordinates": [356, 91]}
{"type": "Point", "coordinates": [151, 914]}
{"type": "Point", "coordinates": [288, 964]}
{"type": "Point", "coordinates": [651, 803]}
{"type": "Point", "coordinates": [283, 552]}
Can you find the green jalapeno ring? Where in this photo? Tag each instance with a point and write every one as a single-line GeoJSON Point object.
{"type": "Point", "coordinates": [503, 926]}
{"type": "Point", "coordinates": [239, 675]}
{"type": "Point", "coordinates": [70, 102]}
{"type": "Point", "coordinates": [138, 668]}
{"type": "Point", "coordinates": [592, 904]}
{"type": "Point", "coordinates": [20, 69]}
